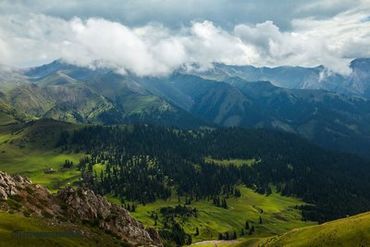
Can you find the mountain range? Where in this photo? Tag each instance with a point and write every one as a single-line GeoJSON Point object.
{"type": "Point", "coordinates": [329, 109]}
{"type": "Point", "coordinates": [357, 82]}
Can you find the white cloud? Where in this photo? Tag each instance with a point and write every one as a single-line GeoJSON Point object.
{"type": "Point", "coordinates": [153, 49]}
{"type": "Point", "coordinates": [149, 50]}
{"type": "Point", "coordinates": [329, 42]}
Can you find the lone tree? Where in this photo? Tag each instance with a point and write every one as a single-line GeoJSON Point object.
{"type": "Point", "coordinates": [247, 224]}
{"type": "Point", "coordinates": [224, 203]}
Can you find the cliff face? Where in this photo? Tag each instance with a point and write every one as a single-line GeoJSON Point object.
{"type": "Point", "coordinates": [79, 206]}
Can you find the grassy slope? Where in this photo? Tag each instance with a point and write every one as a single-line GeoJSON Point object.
{"type": "Point", "coordinates": [279, 215]}
{"type": "Point", "coordinates": [15, 222]}
{"type": "Point", "coordinates": [351, 231]}
{"type": "Point", "coordinates": [28, 150]}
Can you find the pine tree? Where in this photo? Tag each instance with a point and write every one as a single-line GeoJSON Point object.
{"type": "Point", "coordinates": [247, 225]}
{"type": "Point", "coordinates": [224, 203]}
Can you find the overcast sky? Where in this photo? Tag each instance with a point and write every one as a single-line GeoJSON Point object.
{"type": "Point", "coordinates": [154, 37]}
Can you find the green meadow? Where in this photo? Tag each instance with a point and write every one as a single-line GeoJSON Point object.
{"type": "Point", "coordinates": [278, 215]}
{"type": "Point", "coordinates": [30, 151]}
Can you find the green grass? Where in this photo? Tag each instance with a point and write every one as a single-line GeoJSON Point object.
{"type": "Point", "coordinates": [235, 162]}
{"type": "Point", "coordinates": [279, 215]}
{"type": "Point", "coordinates": [113, 199]}
{"type": "Point", "coordinates": [32, 163]}
{"type": "Point", "coordinates": [28, 152]}
{"type": "Point", "coordinates": [244, 242]}
{"type": "Point", "coordinates": [351, 231]}
{"type": "Point", "coordinates": [98, 168]}
{"type": "Point", "coordinates": [9, 223]}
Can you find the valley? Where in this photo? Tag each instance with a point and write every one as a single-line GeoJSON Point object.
{"type": "Point", "coordinates": [34, 147]}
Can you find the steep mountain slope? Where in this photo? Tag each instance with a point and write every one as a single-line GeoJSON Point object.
{"type": "Point", "coordinates": [359, 79]}
{"type": "Point", "coordinates": [214, 101]}
{"type": "Point", "coordinates": [104, 96]}
{"type": "Point", "coordinates": [334, 121]}
{"type": "Point", "coordinates": [330, 120]}
{"type": "Point", "coordinates": [70, 93]}
{"type": "Point", "coordinates": [351, 231]}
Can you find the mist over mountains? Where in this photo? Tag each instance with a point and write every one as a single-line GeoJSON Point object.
{"type": "Point", "coordinates": [357, 83]}
{"type": "Point", "coordinates": [329, 109]}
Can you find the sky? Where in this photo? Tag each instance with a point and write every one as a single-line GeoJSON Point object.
{"type": "Point", "coordinates": [155, 37]}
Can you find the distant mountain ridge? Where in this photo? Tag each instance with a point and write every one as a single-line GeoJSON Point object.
{"type": "Point", "coordinates": [75, 94]}
{"type": "Point", "coordinates": [329, 109]}
{"type": "Point", "coordinates": [295, 77]}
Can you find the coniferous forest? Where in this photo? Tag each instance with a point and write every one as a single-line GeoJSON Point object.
{"type": "Point", "coordinates": [144, 163]}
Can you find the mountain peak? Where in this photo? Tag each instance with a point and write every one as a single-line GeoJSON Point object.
{"type": "Point", "coordinates": [360, 63]}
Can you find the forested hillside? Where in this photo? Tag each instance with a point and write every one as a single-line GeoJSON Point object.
{"type": "Point", "coordinates": [145, 163]}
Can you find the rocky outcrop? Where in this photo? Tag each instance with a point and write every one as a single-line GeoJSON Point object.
{"type": "Point", "coordinates": [76, 205]}
{"type": "Point", "coordinates": [86, 206]}
{"type": "Point", "coordinates": [10, 185]}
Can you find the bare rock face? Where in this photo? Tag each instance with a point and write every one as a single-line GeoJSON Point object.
{"type": "Point", "coordinates": [9, 185]}
{"type": "Point", "coordinates": [86, 206]}
{"type": "Point", "coordinates": [79, 206]}
{"type": "Point", "coordinates": [3, 194]}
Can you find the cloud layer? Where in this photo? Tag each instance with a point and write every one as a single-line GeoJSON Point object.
{"type": "Point", "coordinates": [176, 13]}
{"type": "Point", "coordinates": [156, 49]}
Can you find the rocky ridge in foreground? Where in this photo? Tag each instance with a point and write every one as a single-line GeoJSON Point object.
{"type": "Point", "coordinates": [75, 205]}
